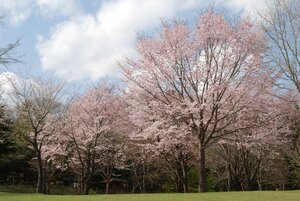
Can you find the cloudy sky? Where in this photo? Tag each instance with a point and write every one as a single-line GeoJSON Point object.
{"type": "Point", "coordinates": [84, 39]}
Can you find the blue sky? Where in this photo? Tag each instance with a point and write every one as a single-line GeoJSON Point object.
{"type": "Point", "coordinates": [84, 39]}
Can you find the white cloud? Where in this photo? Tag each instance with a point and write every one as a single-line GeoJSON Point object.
{"type": "Point", "coordinates": [90, 46]}
{"type": "Point", "coordinates": [7, 82]}
{"type": "Point", "coordinates": [53, 8]}
{"type": "Point", "coordinates": [250, 7]}
{"type": "Point", "coordinates": [17, 11]}
{"type": "Point", "coordinates": [11, 84]}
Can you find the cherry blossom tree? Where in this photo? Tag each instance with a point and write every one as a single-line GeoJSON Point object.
{"type": "Point", "coordinates": [172, 142]}
{"type": "Point", "coordinates": [244, 153]}
{"type": "Point", "coordinates": [201, 78]}
{"type": "Point", "coordinates": [90, 140]}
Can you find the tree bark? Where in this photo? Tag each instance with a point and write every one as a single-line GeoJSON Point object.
{"type": "Point", "coordinates": [248, 184]}
{"type": "Point", "coordinates": [184, 169]}
{"type": "Point", "coordinates": [86, 187]}
{"type": "Point", "coordinates": [41, 185]}
{"type": "Point", "coordinates": [202, 170]}
{"type": "Point", "coordinates": [107, 186]}
{"type": "Point", "coordinates": [143, 181]}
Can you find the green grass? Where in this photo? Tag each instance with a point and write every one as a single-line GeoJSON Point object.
{"type": "Point", "coordinates": [224, 196]}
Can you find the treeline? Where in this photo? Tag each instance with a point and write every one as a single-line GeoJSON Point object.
{"type": "Point", "coordinates": [212, 106]}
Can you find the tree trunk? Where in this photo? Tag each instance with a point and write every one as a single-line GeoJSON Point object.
{"type": "Point", "coordinates": [259, 185]}
{"type": "Point", "coordinates": [144, 182]}
{"type": "Point", "coordinates": [248, 185]}
{"type": "Point", "coordinates": [178, 176]}
{"type": "Point", "coordinates": [135, 179]}
{"type": "Point", "coordinates": [81, 185]}
{"type": "Point", "coordinates": [86, 187]}
{"type": "Point", "coordinates": [107, 186]}
{"type": "Point", "coordinates": [41, 185]}
{"type": "Point", "coordinates": [185, 185]}
{"type": "Point", "coordinates": [179, 186]}
{"type": "Point", "coordinates": [184, 169]}
{"type": "Point", "coordinates": [202, 170]}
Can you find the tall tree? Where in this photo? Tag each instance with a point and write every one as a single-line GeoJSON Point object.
{"type": "Point", "coordinates": [201, 77]}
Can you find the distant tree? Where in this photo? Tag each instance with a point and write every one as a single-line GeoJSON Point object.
{"type": "Point", "coordinates": [244, 154]}
{"type": "Point", "coordinates": [8, 56]}
{"type": "Point", "coordinates": [90, 141]}
{"type": "Point", "coordinates": [8, 145]}
{"type": "Point", "coordinates": [38, 111]}
{"type": "Point", "coordinates": [14, 155]}
{"type": "Point", "coordinates": [280, 21]}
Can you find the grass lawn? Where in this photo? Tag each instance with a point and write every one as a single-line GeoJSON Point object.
{"type": "Point", "coordinates": [224, 196]}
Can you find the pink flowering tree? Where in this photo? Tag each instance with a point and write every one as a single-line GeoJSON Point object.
{"type": "Point", "coordinates": [90, 140]}
{"type": "Point", "coordinates": [201, 78]}
{"type": "Point", "coordinates": [245, 153]}
{"type": "Point", "coordinates": [170, 140]}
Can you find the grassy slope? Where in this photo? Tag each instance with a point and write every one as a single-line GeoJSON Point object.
{"type": "Point", "coordinates": [225, 196]}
